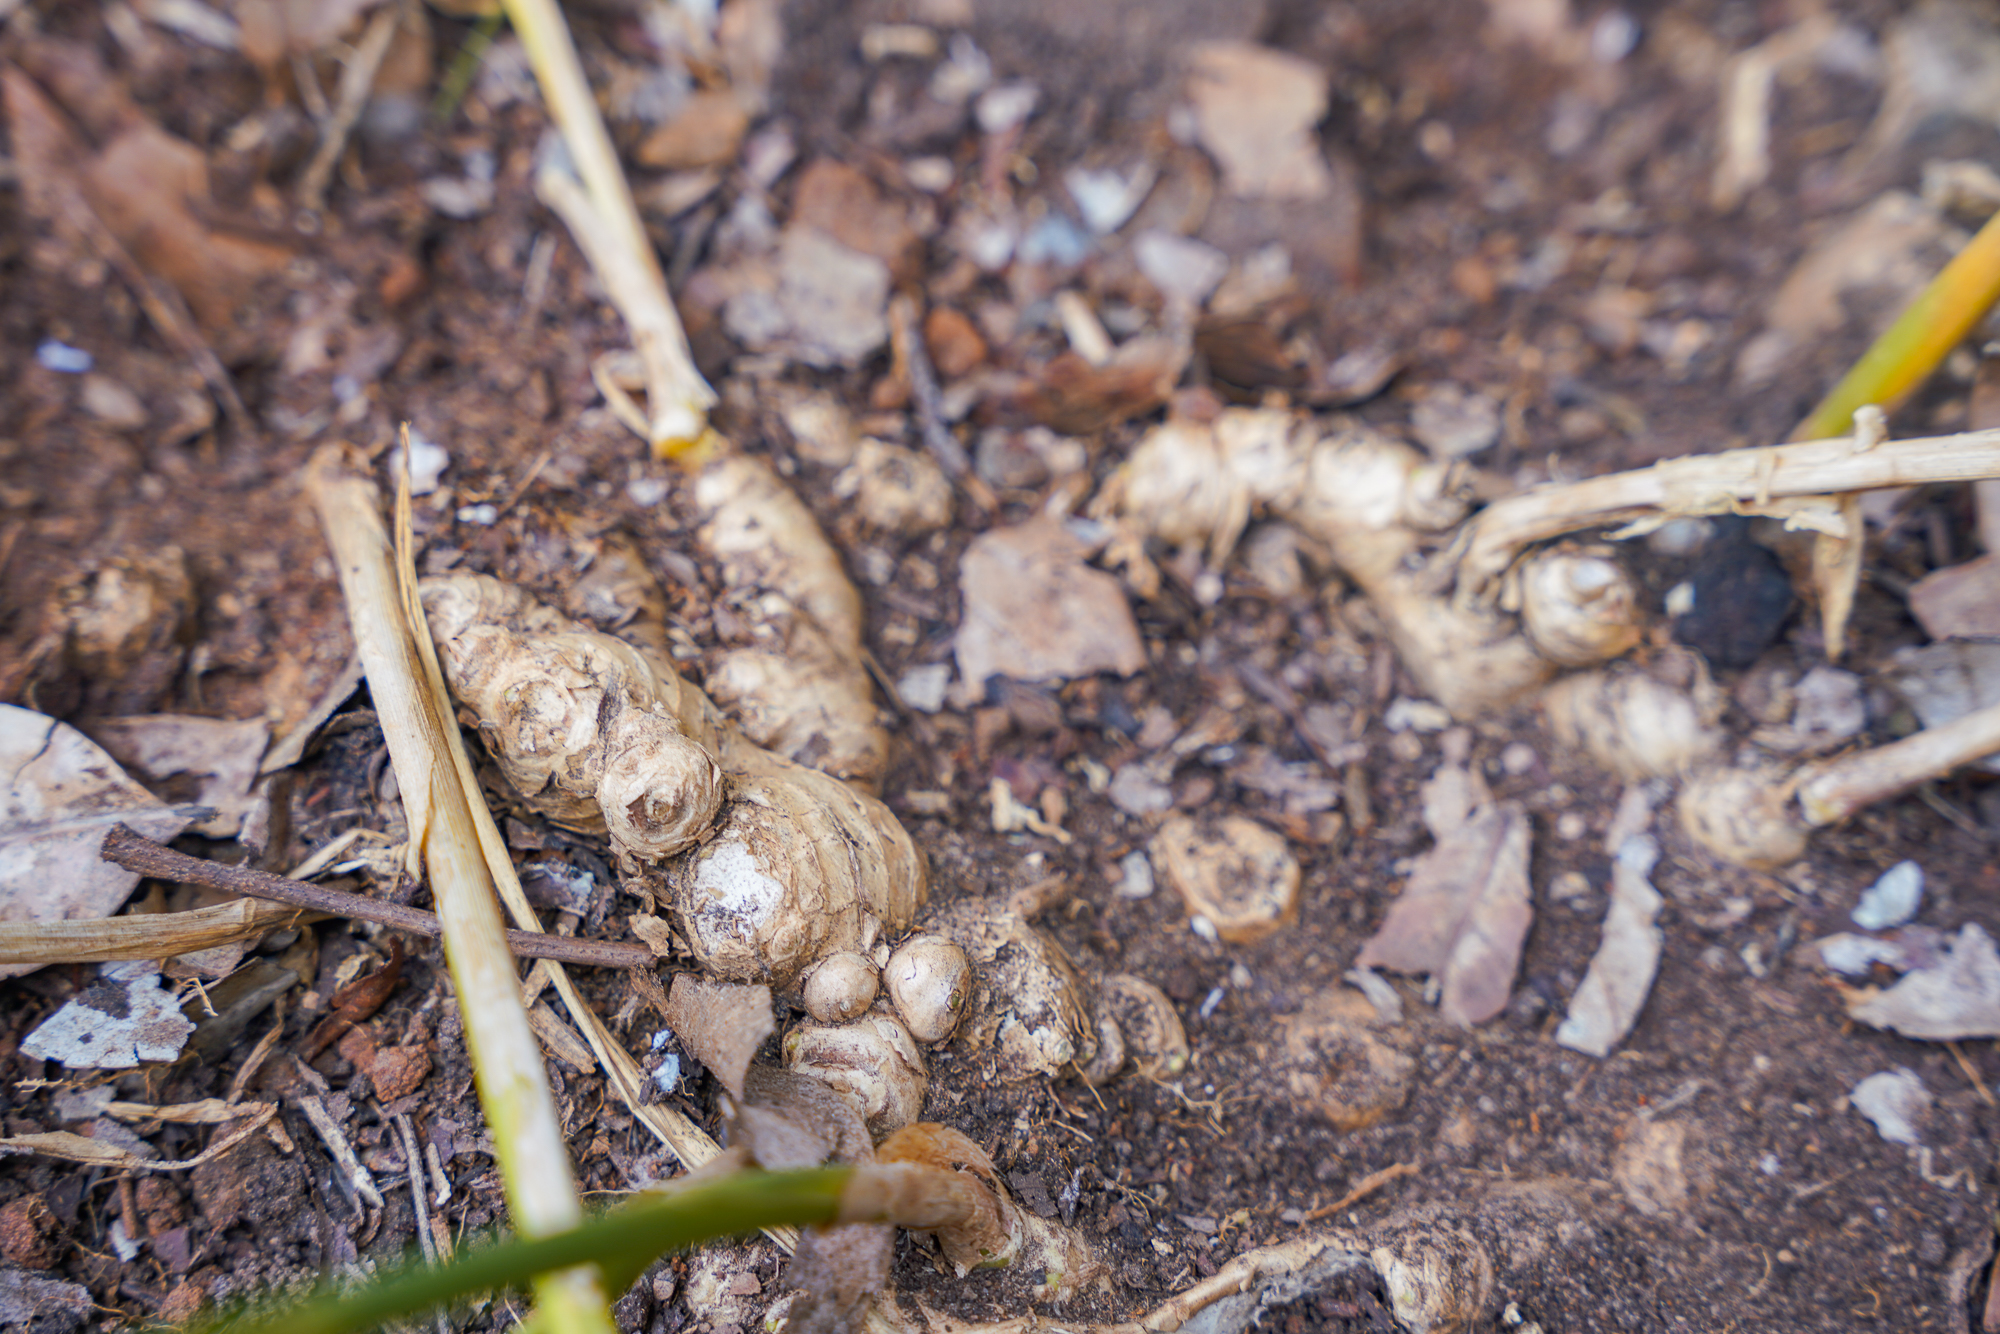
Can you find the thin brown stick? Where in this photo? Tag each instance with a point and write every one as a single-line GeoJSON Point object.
{"type": "Point", "coordinates": [135, 852]}
{"type": "Point", "coordinates": [907, 339]}
{"type": "Point", "coordinates": [1367, 1186]}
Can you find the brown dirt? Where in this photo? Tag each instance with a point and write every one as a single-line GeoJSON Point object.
{"type": "Point", "coordinates": [1781, 1208]}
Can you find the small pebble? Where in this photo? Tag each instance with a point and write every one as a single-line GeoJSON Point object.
{"type": "Point", "coordinates": [1855, 955]}
{"type": "Point", "coordinates": [646, 492]}
{"type": "Point", "coordinates": [1519, 758]}
{"type": "Point", "coordinates": [1895, 1100]}
{"type": "Point", "coordinates": [483, 515]}
{"type": "Point", "coordinates": [1137, 877]}
{"type": "Point", "coordinates": [1415, 715]}
{"type": "Point", "coordinates": [1893, 899]}
{"type": "Point", "coordinates": [1831, 705]}
{"type": "Point", "coordinates": [1453, 422]}
{"type": "Point", "coordinates": [1179, 266]}
{"type": "Point", "coordinates": [64, 358]}
{"type": "Point", "coordinates": [427, 464]}
{"type": "Point", "coordinates": [923, 688]}
{"type": "Point", "coordinates": [1570, 885]}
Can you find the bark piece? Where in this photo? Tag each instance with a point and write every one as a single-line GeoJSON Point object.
{"type": "Point", "coordinates": [721, 1025]}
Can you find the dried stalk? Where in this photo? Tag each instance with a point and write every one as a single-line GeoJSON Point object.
{"type": "Point", "coordinates": [135, 852]}
{"type": "Point", "coordinates": [1738, 481]}
{"type": "Point", "coordinates": [141, 935]}
{"type": "Point", "coordinates": [507, 1062]}
{"type": "Point", "coordinates": [99, 1153]}
{"type": "Point", "coordinates": [1833, 792]}
{"type": "Point", "coordinates": [606, 225]}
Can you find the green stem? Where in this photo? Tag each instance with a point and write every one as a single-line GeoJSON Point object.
{"type": "Point", "coordinates": [621, 1242]}
{"type": "Point", "coordinates": [1922, 336]}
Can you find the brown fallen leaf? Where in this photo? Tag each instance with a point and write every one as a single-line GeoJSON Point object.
{"type": "Point", "coordinates": [1254, 112]}
{"type": "Point", "coordinates": [720, 1024]}
{"type": "Point", "coordinates": [219, 758]}
{"type": "Point", "coordinates": [1463, 915]}
{"type": "Point", "coordinates": [148, 187]}
{"type": "Point", "coordinates": [1959, 601]}
{"type": "Point", "coordinates": [1074, 397]}
{"type": "Point", "coordinates": [355, 1002]}
{"type": "Point", "coordinates": [1033, 611]}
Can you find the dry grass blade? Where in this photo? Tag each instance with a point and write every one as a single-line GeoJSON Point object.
{"type": "Point", "coordinates": [99, 1153]}
{"type": "Point", "coordinates": [141, 935]}
{"type": "Point", "coordinates": [606, 225]}
{"type": "Point", "coordinates": [435, 780]}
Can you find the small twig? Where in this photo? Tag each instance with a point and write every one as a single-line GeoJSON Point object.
{"type": "Point", "coordinates": [907, 342]}
{"type": "Point", "coordinates": [135, 852]}
{"type": "Point", "coordinates": [1971, 1073]}
{"type": "Point", "coordinates": [356, 1180]}
{"type": "Point", "coordinates": [255, 1061]}
{"type": "Point", "coordinates": [357, 78]}
{"type": "Point", "coordinates": [413, 1167]}
{"type": "Point", "coordinates": [1363, 1188]}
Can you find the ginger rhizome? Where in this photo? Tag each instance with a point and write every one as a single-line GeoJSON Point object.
{"type": "Point", "coordinates": [770, 865]}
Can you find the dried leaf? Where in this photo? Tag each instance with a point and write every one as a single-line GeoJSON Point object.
{"type": "Point", "coordinates": [1463, 915]}
{"type": "Point", "coordinates": [221, 757]}
{"type": "Point", "coordinates": [25, 946]}
{"type": "Point", "coordinates": [1614, 990]}
{"type": "Point", "coordinates": [789, 1120]}
{"type": "Point", "coordinates": [1944, 682]}
{"type": "Point", "coordinates": [119, 1021]}
{"type": "Point", "coordinates": [838, 1271]}
{"type": "Point", "coordinates": [63, 792]}
{"type": "Point", "coordinates": [1959, 601]}
{"type": "Point", "coordinates": [721, 1025]}
{"type": "Point", "coordinates": [101, 1153]}
{"type": "Point", "coordinates": [1957, 997]}
{"type": "Point", "coordinates": [1033, 611]}
{"type": "Point", "coordinates": [1255, 109]}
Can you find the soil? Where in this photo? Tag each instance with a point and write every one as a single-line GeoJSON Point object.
{"type": "Point", "coordinates": [1709, 1175]}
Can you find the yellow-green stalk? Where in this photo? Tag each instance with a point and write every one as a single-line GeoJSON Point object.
{"type": "Point", "coordinates": [1922, 336]}
{"type": "Point", "coordinates": [507, 1061]}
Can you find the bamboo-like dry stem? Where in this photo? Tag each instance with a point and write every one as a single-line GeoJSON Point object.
{"type": "Point", "coordinates": [1738, 481]}
{"type": "Point", "coordinates": [507, 1061]}
{"type": "Point", "coordinates": [606, 225]}
{"type": "Point", "coordinates": [1837, 790]}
